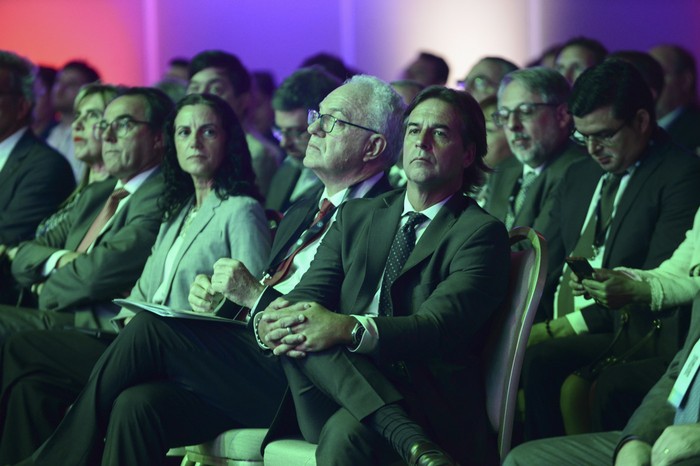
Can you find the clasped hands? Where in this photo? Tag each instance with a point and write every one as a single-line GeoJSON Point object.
{"type": "Point", "coordinates": [676, 443]}
{"type": "Point", "coordinates": [297, 329]}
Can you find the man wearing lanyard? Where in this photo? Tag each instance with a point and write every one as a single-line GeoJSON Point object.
{"type": "Point", "coordinates": [628, 205]}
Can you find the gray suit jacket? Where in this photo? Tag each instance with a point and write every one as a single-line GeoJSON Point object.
{"type": "Point", "coordinates": [539, 196]}
{"type": "Point", "coordinates": [234, 227]}
{"type": "Point", "coordinates": [33, 182]}
{"type": "Point", "coordinates": [111, 268]}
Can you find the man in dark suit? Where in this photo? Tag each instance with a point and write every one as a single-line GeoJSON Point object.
{"type": "Point", "coordinates": [80, 266]}
{"type": "Point", "coordinates": [302, 91]}
{"type": "Point", "coordinates": [372, 334]}
{"type": "Point", "coordinates": [34, 179]}
{"type": "Point", "coordinates": [212, 361]}
{"type": "Point", "coordinates": [630, 205]}
{"type": "Point", "coordinates": [533, 110]}
{"type": "Point", "coordinates": [677, 108]}
{"type": "Point", "coordinates": [653, 435]}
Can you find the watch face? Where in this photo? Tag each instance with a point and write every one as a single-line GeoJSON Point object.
{"type": "Point", "coordinates": [357, 333]}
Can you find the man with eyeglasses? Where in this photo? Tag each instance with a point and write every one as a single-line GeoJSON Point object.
{"type": "Point", "coordinates": [533, 111]}
{"type": "Point", "coordinates": [629, 204]}
{"type": "Point", "coordinates": [99, 252]}
{"type": "Point", "coordinates": [302, 90]}
{"type": "Point", "coordinates": [484, 77]}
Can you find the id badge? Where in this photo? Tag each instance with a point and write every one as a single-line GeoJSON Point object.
{"type": "Point", "coordinates": [690, 368]}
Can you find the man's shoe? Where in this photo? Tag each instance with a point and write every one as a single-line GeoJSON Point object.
{"type": "Point", "coordinates": [429, 454]}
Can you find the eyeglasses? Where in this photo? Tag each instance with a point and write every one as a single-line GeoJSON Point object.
{"type": "Point", "coordinates": [522, 112]}
{"type": "Point", "coordinates": [121, 126]}
{"type": "Point", "coordinates": [604, 137]}
{"type": "Point", "coordinates": [477, 83]}
{"type": "Point", "coordinates": [288, 133]}
{"type": "Point", "coordinates": [328, 122]}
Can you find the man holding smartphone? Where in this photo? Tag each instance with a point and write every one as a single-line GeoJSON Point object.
{"type": "Point", "coordinates": [629, 204]}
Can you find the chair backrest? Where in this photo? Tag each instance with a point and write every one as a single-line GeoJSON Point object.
{"type": "Point", "coordinates": [510, 330]}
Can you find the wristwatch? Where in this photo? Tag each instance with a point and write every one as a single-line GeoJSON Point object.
{"type": "Point", "coordinates": [357, 332]}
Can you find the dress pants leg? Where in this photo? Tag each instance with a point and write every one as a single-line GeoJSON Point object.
{"type": "Point", "coordinates": [20, 319]}
{"type": "Point", "coordinates": [42, 374]}
{"type": "Point", "coordinates": [574, 450]}
{"type": "Point", "coordinates": [220, 363]}
{"type": "Point", "coordinates": [546, 366]}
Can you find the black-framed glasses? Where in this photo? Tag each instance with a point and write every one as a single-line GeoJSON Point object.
{"type": "Point", "coordinates": [121, 126]}
{"type": "Point", "coordinates": [522, 112]}
{"type": "Point", "coordinates": [288, 133]}
{"type": "Point", "coordinates": [605, 137]}
{"type": "Point", "coordinates": [328, 122]}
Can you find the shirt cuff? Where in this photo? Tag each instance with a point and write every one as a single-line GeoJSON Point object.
{"type": "Point", "coordinates": [578, 323]}
{"type": "Point", "coordinates": [50, 264]}
{"type": "Point", "coordinates": [370, 338]}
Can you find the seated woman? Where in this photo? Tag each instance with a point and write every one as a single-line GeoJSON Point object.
{"type": "Point", "coordinates": [211, 210]}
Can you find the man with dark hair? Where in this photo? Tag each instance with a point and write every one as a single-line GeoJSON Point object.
{"type": "Point", "coordinates": [34, 178]}
{"type": "Point", "coordinates": [69, 80]}
{"type": "Point", "coordinates": [677, 109]}
{"type": "Point", "coordinates": [630, 204]}
{"type": "Point", "coordinates": [648, 67]}
{"type": "Point", "coordinates": [483, 78]}
{"type": "Point", "coordinates": [533, 110]}
{"type": "Point", "coordinates": [359, 351]}
{"type": "Point", "coordinates": [428, 69]}
{"type": "Point", "coordinates": [331, 63]}
{"type": "Point", "coordinates": [77, 275]}
{"type": "Point", "coordinates": [302, 91]}
{"type": "Point", "coordinates": [577, 55]}
{"type": "Point", "coordinates": [223, 74]}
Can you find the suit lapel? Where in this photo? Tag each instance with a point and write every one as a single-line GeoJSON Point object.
{"type": "Point", "coordinates": [17, 156]}
{"type": "Point", "coordinates": [295, 221]}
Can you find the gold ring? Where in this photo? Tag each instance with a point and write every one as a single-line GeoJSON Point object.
{"type": "Point", "coordinates": [666, 451]}
{"type": "Point", "coordinates": [289, 330]}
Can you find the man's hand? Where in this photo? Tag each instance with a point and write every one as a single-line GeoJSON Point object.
{"type": "Point", "coordinates": [614, 289]}
{"type": "Point", "coordinates": [201, 297]}
{"type": "Point", "coordinates": [634, 453]}
{"type": "Point", "coordinates": [577, 288]}
{"type": "Point", "coordinates": [37, 288]}
{"type": "Point", "coordinates": [304, 327]}
{"type": "Point", "coordinates": [233, 280]}
{"type": "Point", "coordinates": [11, 253]}
{"type": "Point", "coordinates": [560, 328]}
{"type": "Point", "coordinates": [676, 443]}
{"type": "Point", "coordinates": [67, 258]}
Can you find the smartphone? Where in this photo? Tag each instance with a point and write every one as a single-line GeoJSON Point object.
{"type": "Point", "coordinates": [581, 267]}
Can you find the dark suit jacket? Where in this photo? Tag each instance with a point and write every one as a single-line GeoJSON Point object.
{"type": "Point", "coordinates": [282, 186]}
{"type": "Point", "coordinates": [652, 216]}
{"type": "Point", "coordinates": [655, 413]}
{"type": "Point", "coordinates": [452, 281]}
{"type": "Point", "coordinates": [539, 196]}
{"type": "Point", "coordinates": [114, 264]}
{"type": "Point", "coordinates": [685, 129]}
{"type": "Point", "coordinates": [33, 182]}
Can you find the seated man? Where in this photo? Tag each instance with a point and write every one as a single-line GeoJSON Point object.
{"type": "Point", "coordinates": [34, 179]}
{"type": "Point", "coordinates": [94, 257]}
{"type": "Point", "coordinates": [360, 351]}
{"type": "Point", "coordinates": [300, 92]}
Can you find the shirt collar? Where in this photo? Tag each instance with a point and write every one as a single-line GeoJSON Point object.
{"type": "Point", "coordinates": [353, 192]}
{"type": "Point", "coordinates": [430, 212]}
{"type": "Point", "coordinates": [8, 145]}
{"type": "Point", "coordinates": [135, 183]}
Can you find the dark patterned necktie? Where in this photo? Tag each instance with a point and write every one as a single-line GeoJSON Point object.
{"type": "Point", "coordinates": [401, 248]}
{"type": "Point", "coordinates": [516, 204]}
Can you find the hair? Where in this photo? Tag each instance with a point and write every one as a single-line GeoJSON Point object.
{"type": "Point", "coordinates": [158, 105]}
{"type": "Point", "coordinates": [179, 61]}
{"type": "Point", "coordinates": [264, 81]}
{"type": "Point", "coordinates": [47, 76]}
{"type": "Point", "coordinates": [442, 69]}
{"type": "Point", "coordinates": [331, 63]}
{"type": "Point", "coordinates": [234, 177]}
{"type": "Point", "coordinates": [651, 70]}
{"type": "Point", "coordinates": [89, 73]}
{"type": "Point", "coordinates": [506, 65]}
{"type": "Point", "coordinates": [472, 129]}
{"type": "Point", "coordinates": [21, 73]}
{"type": "Point", "coordinates": [237, 74]}
{"type": "Point", "coordinates": [382, 111]}
{"type": "Point", "coordinates": [108, 92]}
{"type": "Point", "coordinates": [595, 47]}
{"type": "Point", "coordinates": [549, 84]}
{"type": "Point", "coordinates": [616, 83]}
{"type": "Point", "coordinates": [305, 89]}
